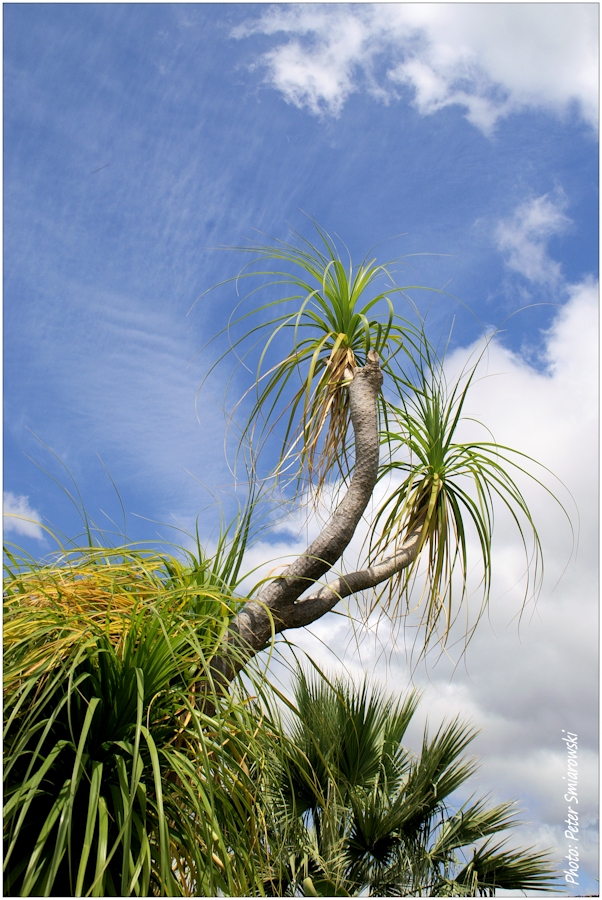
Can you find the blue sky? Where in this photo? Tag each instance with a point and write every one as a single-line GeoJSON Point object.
{"type": "Point", "coordinates": [139, 136]}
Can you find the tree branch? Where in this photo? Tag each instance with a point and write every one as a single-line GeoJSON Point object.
{"type": "Point", "coordinates": [309, 609]}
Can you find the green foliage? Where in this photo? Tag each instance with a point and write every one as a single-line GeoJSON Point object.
{"type": "Point", "coordinates": [355, 812]}
{"type": "Point", "coordinates": [205, 576]}
{"type": "Point", "coordinates": [325, 318]}
{"type": "Point", "coordinates": [448, 486]}
{"type": "Point", "coordinates": [115, 784]}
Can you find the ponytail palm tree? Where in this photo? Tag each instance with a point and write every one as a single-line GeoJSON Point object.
{"type": "Point", "coordinates": [355, 812]}
{"type": "Point", "coordinates": [336, 356]}
{"type": "Point", "coordinates": [115, 782]}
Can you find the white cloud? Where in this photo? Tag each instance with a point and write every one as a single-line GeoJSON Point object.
{"type": "Point", "coordinates": [20, 518]}
{"type": "Point", "coordinates": [490, 58]}
{"type": "Point", "coordinates": [320, 77]}
{"type": "Point", "coordinates": [523, 238]}
{"type": "Point", "coordinates": [521, 684]}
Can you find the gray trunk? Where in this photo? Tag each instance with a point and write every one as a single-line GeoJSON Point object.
{"type": "Point", "coordinates": [277, 606]}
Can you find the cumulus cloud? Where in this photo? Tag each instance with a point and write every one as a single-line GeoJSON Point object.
{"type": "Point", "coordinates": [318, 75]}
{"type": "Point", "coordinates": [20, 518]}
{"type": "Point", "coordinates": [523, 238]}
{"type": "Point", "coordinates": [522, 680]}
{"type": "Point", "coordinates": [490, 59]}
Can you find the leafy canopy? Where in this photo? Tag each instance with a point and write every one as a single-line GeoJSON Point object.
{"type": "Point", "coordinates": [115, 782]}
{"type": "Point", "coordinates": [452, 487]}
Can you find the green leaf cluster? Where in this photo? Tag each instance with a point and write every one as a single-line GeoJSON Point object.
{"type": "Point", "coordinates": [118, 783]}
{"type": "Point", "coordinates": [451, 487]}
{"type": "Point", "coordinates": [324, 317]}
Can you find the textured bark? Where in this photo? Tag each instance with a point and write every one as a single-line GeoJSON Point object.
{"type": "Point", "coordinates": [277, 606]}
{"type": "Point", "coordinates": [308, 609]}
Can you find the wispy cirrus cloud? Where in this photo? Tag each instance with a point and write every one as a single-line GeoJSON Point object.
{"type": "Point", "coordinates": [523, 238]}
{"type": "Point", "coordinates": [134, 402]}
{"type": "Point", "coordinates": [20, 518]}
{"type": "Point", "coordinates": [490, 59]}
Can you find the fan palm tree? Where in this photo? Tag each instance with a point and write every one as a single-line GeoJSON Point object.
{"type": "Point", "coordinates": [355, 812]}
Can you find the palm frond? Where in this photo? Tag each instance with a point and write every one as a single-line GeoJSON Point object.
{"type": "Point", "coordinates": [381, 829]}
{"type": "Point", "coordinates": [493, 868]}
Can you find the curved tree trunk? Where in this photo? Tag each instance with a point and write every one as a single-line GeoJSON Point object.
{"type": "Point", "coordinates": [279, 605]}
